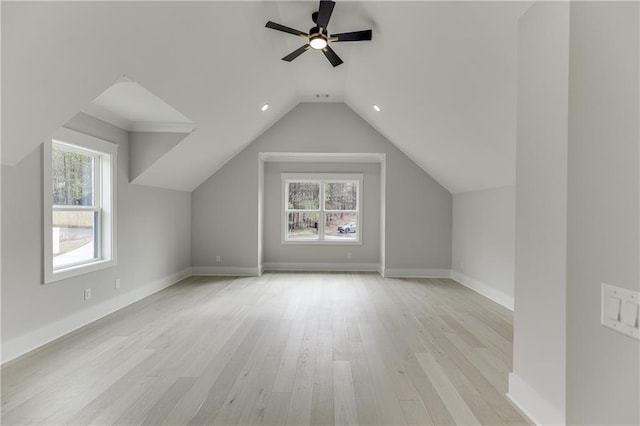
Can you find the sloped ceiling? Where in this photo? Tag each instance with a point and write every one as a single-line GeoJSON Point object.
{"type": "Point", "coordinates": [444, 75]}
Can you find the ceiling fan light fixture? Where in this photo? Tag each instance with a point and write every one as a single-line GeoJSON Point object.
{"type": "Point", "coordinates": [318, 43]}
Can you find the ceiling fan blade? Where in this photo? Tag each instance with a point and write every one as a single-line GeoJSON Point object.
{"type": "Point", "coordinates": [332, 56]}
{"type": "Point", "coordinates": [324, 13]}
{"type": "Point", "coordinates": [353, 36]}
{"type": "Point", "coordinates": [291, 56]}
{"type": "Point", "coordinates": [284, 29]}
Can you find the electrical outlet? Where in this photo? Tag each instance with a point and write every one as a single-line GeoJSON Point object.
{"type": "Point", "coordinates": [349, 255]}
{"type": "Point", "coordinates": [117, 283]}
{"type": "Point", "coordinates": [87, 293]}
{"type": "Point", "coordinates": [218, 259]}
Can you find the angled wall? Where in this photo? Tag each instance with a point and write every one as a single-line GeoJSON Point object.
{"type": "Point", "coordinates": [418, 209]}
{"type": "Point", "coordinates": [145, 148]}
{"type": "Point", "coordinates": [153, 240]}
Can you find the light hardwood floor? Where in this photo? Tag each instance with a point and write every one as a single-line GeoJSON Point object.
{"type": "Point", "coordinates": [283, 348]}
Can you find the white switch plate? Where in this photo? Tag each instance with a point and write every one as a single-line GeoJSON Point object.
{"type": "Point", "coordinates": [620, 310]}
{"type": "Point", "coordinates": [87, 293]}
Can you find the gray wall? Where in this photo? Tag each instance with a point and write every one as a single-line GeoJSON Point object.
{"type": "Point", "coordinates": [577, 210]}
{"type": "Point", "coordinates": [538, 378]}
{"type": "Point", "coordinates": [483, 240]}
{"type": "Point", "coordinates": [145, 148]}
{"type": "Point", "coordinates": [418, 209]}
{"type": "Point", "coordinates": [153, 242]}
{"type": "Point", "coordinates": [367, 252]}
{"type": "Point", "coordinates": [603, 185]}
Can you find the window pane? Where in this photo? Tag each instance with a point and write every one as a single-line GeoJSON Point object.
{"type": "Point", "coordinates": [74, 238]}
{"type": "Point", "coordinates": [340, 196]}
{"type": "Point", "coordinates": [341, 226]}
{"type": "Point", "coordinates": [304, 196]}
{"type": "Point", "coordinates": [302, 225]}
{"type": "Point", "coordinates": [73, 177]}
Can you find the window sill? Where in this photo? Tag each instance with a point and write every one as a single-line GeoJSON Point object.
{"type": "Point", "coordinates": [74, 271]}
{"type": "Point", "coordinates": [323, 243]}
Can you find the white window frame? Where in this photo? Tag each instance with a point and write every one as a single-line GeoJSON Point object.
{"type": "Point", "coordinates": [105, 169]}
{"type": "Point", "coordinates": [321, 179]}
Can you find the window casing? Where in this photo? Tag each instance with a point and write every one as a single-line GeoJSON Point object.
{"type": "Point", "coordinates": [322, 208]}
{"type": "Point", "coordinates": [79, 205]}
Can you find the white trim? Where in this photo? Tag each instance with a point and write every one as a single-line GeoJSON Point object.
{"type": "Point", "coordinates": [321, 266]}
{"type": "Point", "coordinates": [161, 127]}
{"type": "Point", "coordinates": [34, 339]}
{"type": "Point", "coordinates": [322, 157]}
{"type": "Point", "coordinates": [106, 176]}
{"type": "Point", "coordinates": [416, 273]}
{"type": "Point", "coordinates": [484, 289]}
{"type": "Point", "coordinates": [321, 179]}
{"type": "Point", "coordinates": [532, 404]}
{"type": "Point", "coordinates": [383, 213]}
{"type": "Point", "coordinates": [234, 271]}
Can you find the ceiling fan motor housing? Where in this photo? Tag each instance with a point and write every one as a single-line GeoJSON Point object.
{"type": "Point", "coordinates": [316, 30]}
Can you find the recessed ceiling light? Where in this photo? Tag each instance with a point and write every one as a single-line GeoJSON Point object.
{"type": "Point", "coordinates": [376, 107]}
{"type": "Point", "coordinates": [264, 107]}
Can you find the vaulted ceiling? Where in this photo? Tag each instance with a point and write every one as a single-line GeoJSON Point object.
{"type": "Point", "coordinates": [443, 74]}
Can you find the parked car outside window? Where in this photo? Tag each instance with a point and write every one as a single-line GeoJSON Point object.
{"type": "Point", "coordinates": [346, 228]}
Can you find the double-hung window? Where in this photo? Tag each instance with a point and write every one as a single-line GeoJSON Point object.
{"type": "Point", "coordinates": [323, 208]}
{"type": "Point", "coordinates": [79, 202]}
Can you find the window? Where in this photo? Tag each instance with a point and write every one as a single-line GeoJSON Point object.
{"type": "Point", "coordinates": [322, 208]}
{"type": "Point", "coordinates": [79, 194]}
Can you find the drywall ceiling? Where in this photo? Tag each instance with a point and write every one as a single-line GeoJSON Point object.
{"type": "Point", "coordinates": [444, 75]}
{"type": "Point", "coordinates": [131, 107]}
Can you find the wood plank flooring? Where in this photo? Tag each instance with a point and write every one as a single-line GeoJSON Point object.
{"type": "Point", "coordinates": [280, 349]}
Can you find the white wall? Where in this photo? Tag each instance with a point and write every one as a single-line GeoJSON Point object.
{"type": "Point", "coordinates": [537, 382]}
{"type": "Point", "coordinates": [418, 209]}
{"type": "Point", "coordinates": [603, 185]}
{"type": "Point", "coordinates": [277, 253]}
{"type": "Point", "coordinates": [483, 242]}
{"type": "Point", "coordinates": [153, 244]}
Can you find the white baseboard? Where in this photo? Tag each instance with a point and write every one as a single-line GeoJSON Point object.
{"type": "Point", "coordinates": [321, 267]}
{"type": "Point", "coordinates": [235, 271]}
{"type": "Point", "coordinates": [416, 273]}
{"type": "Point", "coordinates": [18, 346]}
{"type": "Point", "coordinates": [484, 289]}
{"type": "Point", "coordinates": [532, 404]}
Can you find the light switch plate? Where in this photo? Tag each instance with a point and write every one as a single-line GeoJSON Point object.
{"type": "Point", "coordinates": [619, 310]}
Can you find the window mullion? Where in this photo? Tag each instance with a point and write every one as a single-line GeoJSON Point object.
{"type": "Point", "coordinates": [321, 212]}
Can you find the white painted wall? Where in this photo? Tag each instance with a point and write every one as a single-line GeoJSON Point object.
{"type": "Point", "coordinates": [603, 185]}
{"type": "Point", "coordinates": [418, 209]}
{"type": "Point", "coordinates": [483, 242]}
{"type": "Point", "coordinates": [154, 228]}
{"type": "Point", "coordinates": [537, 382]}
{"type": "Point", "coordinates": [277, 253]}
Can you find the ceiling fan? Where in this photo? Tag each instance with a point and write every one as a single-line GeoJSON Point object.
{"type": "Point", "coordinates": [318, 38]}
